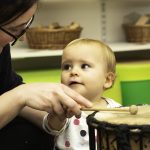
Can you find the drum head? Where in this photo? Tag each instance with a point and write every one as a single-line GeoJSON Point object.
{"type": "Point", "coordinates": [141, 118]}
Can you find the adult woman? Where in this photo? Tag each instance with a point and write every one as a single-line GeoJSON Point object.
{"type": "Point", "coordinates": [30, 101]}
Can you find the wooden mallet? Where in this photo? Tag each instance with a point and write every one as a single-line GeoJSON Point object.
{"type": "Point", "coordinates": [133, 109]}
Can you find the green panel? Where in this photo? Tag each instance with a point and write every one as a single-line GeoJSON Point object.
{"type": "Point", "coordinates": [114, 92]}
{"type": "Point", "coordinates": [134, 79]}
{"type": "Point", "coordinates": [134, 71]}
{"type": "Point", "coordinates": [41, 76]}
{"type": "Point", "coordinates": [135, 92]}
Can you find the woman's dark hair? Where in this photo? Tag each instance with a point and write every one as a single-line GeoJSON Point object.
{"type": "Point", "coordinates": [12, 9]}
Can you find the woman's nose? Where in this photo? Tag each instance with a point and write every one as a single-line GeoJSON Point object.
{"type": "Point", "coordinates": [22, 38]}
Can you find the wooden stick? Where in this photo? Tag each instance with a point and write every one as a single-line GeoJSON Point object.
{"type": "Point", "coordinates": [133, 109]}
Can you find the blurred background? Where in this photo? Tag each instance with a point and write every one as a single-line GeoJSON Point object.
{"type": "Point", "coordinates": [102, 20]}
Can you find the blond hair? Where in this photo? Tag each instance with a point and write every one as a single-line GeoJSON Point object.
{"type": "Point", "coordinates": [108, 54]}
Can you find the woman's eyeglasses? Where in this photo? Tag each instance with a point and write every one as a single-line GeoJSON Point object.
{"type": "Point", "coordinates": [16, 37]}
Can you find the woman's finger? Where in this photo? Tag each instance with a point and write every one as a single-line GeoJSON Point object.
{"type": "Point", "coordinates": [76, 97]}
{"type": "Point", "coordinates": [68, 102]}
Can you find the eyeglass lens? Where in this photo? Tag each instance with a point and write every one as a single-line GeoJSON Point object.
{"type": "Point", "coordinates": [16, 37]}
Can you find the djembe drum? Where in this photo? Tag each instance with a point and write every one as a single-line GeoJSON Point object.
{"type": "Point", "coordinates": [118, 130]}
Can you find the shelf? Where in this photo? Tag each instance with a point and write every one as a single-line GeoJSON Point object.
{"type": "Point", "coordinates": [49, 1]}
{"type": "Point", "coordinates": [21, 53]}
{"type": "Point", "coordinates": [128, 47]}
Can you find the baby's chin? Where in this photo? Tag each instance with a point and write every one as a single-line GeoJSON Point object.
{"type": "Point", "coordinates": [80, 91]}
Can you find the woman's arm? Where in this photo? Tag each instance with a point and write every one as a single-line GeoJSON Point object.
{"type": "Point", "coordinates": [33, 115]}
{"type": "Point", "coordinates": [10, 106]}
{"type": "Point", "coordinates": [51, 123]}
{"type": "Point", "coordinates": [48, 97]}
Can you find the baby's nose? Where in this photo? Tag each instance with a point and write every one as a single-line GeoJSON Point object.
{"type": "Point", "coordinates": [75, 71]}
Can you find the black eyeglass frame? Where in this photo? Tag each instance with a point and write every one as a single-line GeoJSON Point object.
{"type": "Point", "coordinates": [23, 31]}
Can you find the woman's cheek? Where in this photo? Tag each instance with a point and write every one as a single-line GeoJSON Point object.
{"type": "Point", "coordinates": [4, 40]}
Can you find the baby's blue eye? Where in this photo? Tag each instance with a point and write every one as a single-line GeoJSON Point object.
{"type": "Point", "coordinates": [85, 66]}
{"type": "Point", "coordinates": [66, 67]}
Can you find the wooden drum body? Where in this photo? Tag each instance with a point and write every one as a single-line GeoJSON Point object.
{"type": "Point", "coordinates": [120, 130]}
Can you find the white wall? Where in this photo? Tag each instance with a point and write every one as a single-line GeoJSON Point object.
{"type": "Point", "coordinates": [85, 13]}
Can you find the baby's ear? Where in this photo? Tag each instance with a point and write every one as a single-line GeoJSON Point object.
{"type": "Point", "coordinates": [110, 77]}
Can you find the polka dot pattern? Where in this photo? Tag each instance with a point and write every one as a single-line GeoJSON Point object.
{"type": "Point", "coordinates": [83, 133]}
{"type": "Point", "coordinates": [76, 134]}
{"type": "Point", "coordinates": [76, 121]}
{"type": "Point", "coordinates": [67, 144]}
{"type": "Point", "coordinates": [79, 132]}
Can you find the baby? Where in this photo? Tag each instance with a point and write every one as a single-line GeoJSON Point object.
{"type": "Point", "coordinates": [88, 67]}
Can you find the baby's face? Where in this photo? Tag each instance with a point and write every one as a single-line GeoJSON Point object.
{"type": "Point", "coordinates": [83, 70]}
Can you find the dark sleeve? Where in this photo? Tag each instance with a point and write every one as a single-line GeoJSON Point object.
{"type": "Point", "coordinates": [8, 78]}
{"type": "Point", "coordinates": [19, 134]}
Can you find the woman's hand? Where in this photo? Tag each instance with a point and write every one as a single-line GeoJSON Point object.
{"type": "Point", "coordinates": [53, 98]}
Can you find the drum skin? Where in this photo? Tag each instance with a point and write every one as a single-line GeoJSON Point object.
{"type": "Point", "coordinates": [120, 130]}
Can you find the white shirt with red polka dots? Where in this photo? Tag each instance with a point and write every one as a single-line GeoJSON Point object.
{"type": "Point", "coordinates": [76, 136]}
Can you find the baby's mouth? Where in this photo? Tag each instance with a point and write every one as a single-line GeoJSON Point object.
{"type": "Point", "coordinates": [74, 82]}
